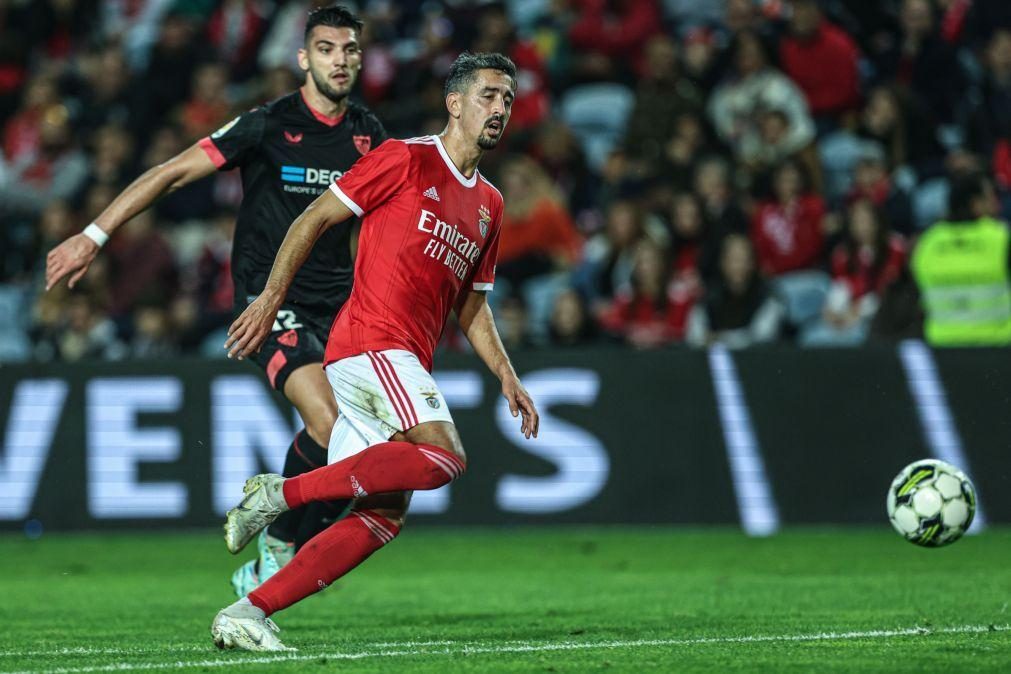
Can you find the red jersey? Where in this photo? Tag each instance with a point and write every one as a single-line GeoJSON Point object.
{"type": "Point", "coordinates": [428, 232]}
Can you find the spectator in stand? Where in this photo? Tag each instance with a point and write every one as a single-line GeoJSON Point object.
{"type": "Point", "coordinates": [989, 123]}
{"type": "Point", "coordinates": [699, 58]}
{"type": "Point", "coordinates": [662, 98]}
{"type": "Point", "coordinates": [683, 150]}
{"type": "Point", "coordinates": [983, 18]}
{"type": "Point", "coordinates": [814, 47]}
{"type": "Point", "coordinates": [558, 151]}
{"type": "Point", "coordinates": [112, 155]}
{"type": "Point", "coordinates": [770, 144]}
{"type": "Point", "coordinates": [22, 134]}
{"type": "Point", "coordinates": [871, 181]}
{"type": "Point", "coordinates": [721, 211]}
{"type": "Point", "coordinates": [495, 33]}
{"type": "Point", "coordinates": [869, 260]}
{"type": "Point", "coordinates": [153, 333]}
{"type": "Point", "coordinates": [235, 30]}
{"type": "Point", "coordinates": [739, 311]}
{"type": "Point", "coordinates": [13, 56]}
{"type": "Point", "coordinates": [104, 90]}
{"type": "Point", "coordinates": [690, 246]}
{"type": "Point", "coordinates": [644, 314]}
{"type": "Point", "coordinates": [922, 63]}
{"type": "Point", "coordinates": [753, 86]}
{"type": "Point", "coordinates": [56, 170]}
{"type": "Point", "coordinates": [204, 309]}
{"type": "Point", "coordinates": [538, 236]}
{"type": "Point", "coordinates": [608, 257]}
{"type": "Point", "coordinates": [142, 266]}
{"type": "Point", "coordinates": [208, 106]}
{"type": "Point", "coordinates": [613, 32]}
{"type": "Point", "coordinates": [77, 330]}
{"type": "Point", "coordinates": [570, 321]}
{"type": "Point", "coordinates": [901, 128]}
{"type": "Point", "coordinates": [539, 243]}
{"type": "Point", "coordinates": [787, 229]}
{"type": "Point", "coordinates": [57, 29]}
{"type": "Point", "coordinates": [169, 73]}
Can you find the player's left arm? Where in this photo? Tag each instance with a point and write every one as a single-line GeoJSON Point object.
{"type": "Point", "coordinates": [478, 325]}
{"type": "Point", "coordinates": [247, 333]}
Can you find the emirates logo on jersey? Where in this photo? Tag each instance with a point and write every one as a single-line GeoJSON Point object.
{"type": "Point", "coordinates": [293, 138]}
{"type": "Point", "coordinates": [362, 143]}
{"type": "Point", "coordinates": [483, 220]}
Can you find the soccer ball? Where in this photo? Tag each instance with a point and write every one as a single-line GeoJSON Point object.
{"type": "Point", "coordinates": [931, 503]}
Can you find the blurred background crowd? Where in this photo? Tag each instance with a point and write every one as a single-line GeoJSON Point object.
{"type": "Point", "coordinates": [676, 172]}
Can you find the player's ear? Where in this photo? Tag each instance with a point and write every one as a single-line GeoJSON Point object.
{"type": "Point", "coordinates": [303, 60]}
{"type": "Point", "coordinates": [454, 101]}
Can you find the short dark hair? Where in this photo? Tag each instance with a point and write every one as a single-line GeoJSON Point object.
{"type": "Point", "coordinates": [334, 16]}
{"type": "Point", "coordinates": [965, 188]}
{"type": "Point", "coordinates": [465, 67]}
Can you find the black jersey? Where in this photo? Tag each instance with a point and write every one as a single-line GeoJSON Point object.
{"type": "Point", "coordinates": [288, 155]}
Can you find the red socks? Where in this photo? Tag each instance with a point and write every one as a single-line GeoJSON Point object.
{"type": "Point", "coordinates": [328, 556]}
{"type": "Point", "coordinates": [382, 468]}
{"type": "Point", "coordinates": [386, 467]}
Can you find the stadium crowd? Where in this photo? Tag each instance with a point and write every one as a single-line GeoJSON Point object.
{"type": "Point", "coordinates": [674, 172]}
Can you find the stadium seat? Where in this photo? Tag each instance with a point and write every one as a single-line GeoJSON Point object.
{"type": "Point", "coordinates": [597, 114]}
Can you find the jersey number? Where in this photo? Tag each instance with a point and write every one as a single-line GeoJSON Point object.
{"type": "Point", "coordinates": [286, 320]}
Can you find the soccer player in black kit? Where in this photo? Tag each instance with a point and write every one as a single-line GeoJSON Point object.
{"type": "Point", "coordinates": [288, 152]}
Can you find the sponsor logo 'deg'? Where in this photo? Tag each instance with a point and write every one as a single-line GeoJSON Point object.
{"type": "Point", "coordinates": [309, 176]}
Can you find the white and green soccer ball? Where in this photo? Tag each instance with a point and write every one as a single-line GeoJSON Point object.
{"type": "Point", "coordinates": [931, 503]}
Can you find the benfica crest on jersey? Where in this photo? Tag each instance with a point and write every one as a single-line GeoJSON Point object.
{"type": "Point", "coordinates": [362, 143]}
{"type": "Point", "coordinates": [483, 220]}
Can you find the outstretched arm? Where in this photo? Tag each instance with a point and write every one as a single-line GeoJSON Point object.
{"type": "Point", "coordinates": [250, 329]}
{"type": "Point", "coordinates": [76, 254]}
{"type": "Point", "coordinates": [478, 325]}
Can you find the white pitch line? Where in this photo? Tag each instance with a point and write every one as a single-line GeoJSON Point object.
{"type": "Point", "coordinates": [466, 648]}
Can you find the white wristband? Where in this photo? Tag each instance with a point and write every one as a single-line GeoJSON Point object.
{"type": "Point", "coordinates": [96, 234]}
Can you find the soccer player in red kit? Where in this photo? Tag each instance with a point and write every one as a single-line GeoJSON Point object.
{"type": "Point", "coordinates": [428, 245]}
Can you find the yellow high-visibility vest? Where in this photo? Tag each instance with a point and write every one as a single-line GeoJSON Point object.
{"type": "Point", "coordinates": [962, 271]}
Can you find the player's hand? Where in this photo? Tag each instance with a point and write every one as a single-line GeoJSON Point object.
{"type": "Point", "coordinates": [520, 402]}
{"type": "Point", "coordinates": [247, 333]}
{"type": "Point", "coordinates": [73, 257]}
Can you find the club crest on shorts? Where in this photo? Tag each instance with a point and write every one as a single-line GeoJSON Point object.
{"type": "Point", "coordinates": [432, 398]}
{"type": "Point", "coordinates": [483, 220]}
{"type": "Point", "coordinates": [362, 143]}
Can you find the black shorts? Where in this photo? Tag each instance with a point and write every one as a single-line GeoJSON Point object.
{"type": "Point", "coordinates": [298, 338]}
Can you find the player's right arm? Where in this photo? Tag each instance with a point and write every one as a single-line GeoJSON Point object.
{"type": "Point", "coordinates": [373, 180]}
{"type": "Point", "coordinates": [247, 333]}
{"type": "Point", "coordinates": [75, 255]}
{"type": "Point", "coordinates": [230, 146]}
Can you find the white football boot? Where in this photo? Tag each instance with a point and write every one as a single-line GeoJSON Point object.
{"type": "Point", "coordinates": [246, 628]}
{"type": "Point", "coordinates": [263, 502]}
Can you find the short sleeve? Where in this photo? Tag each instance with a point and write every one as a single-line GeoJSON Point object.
{"type": "Point", "coordinates": [483, 278]}
{"type": "Point", "coordinates": [234, 143]}
{"type": "Point", "coordinates": [374, 178]}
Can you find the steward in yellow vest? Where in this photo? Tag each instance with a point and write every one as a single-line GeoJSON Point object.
{"type": "Point", "coordinates": [962, 269]}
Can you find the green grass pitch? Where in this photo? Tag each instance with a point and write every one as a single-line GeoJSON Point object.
{"type": "Point", "coordinates": [542, 600]}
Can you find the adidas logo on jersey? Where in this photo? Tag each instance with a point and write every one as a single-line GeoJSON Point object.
{"type": "Point", "coordinates": [431, 193]}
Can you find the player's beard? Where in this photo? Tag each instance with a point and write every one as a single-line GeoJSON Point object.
{"type": "Point", "coordinates": [324, 87]}
{"type": "Point", "coordinates": [486, 142]}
